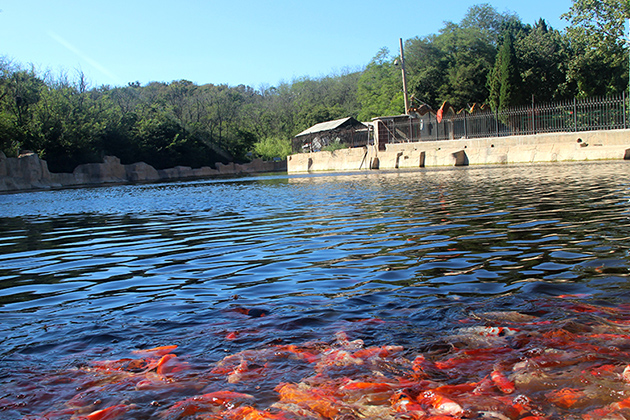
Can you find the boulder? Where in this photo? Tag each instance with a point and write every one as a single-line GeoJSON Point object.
{"type": "Point", "coordinates": [226, 169]}
{"type": "Point", "coordinates": [111, 170]}
{"type": "Point", "coordinates": [177, 172]}
{"type": "Point", "coordinates": [205, 171]}
{"type": "Point", "coordinates": [141, 172]}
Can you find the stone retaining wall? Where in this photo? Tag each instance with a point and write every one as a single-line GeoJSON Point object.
{"type": "Point", "coordinates": [28, 172]}
{"type": "Point", "coordinates": [555, 147]}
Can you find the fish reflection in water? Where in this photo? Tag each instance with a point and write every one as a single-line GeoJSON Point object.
{"type": "Point", "coordinates": [494, 365]}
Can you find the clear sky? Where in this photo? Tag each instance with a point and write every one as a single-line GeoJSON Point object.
{"type": "Point", "coordinates": [255, 43]}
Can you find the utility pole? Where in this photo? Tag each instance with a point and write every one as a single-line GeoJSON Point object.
{"type": "Point", "coordinates": [404, 76]}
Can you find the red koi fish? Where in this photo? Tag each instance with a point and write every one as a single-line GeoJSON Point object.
{"type": "Point", "coordinates": [423, 368]}
{"type": "Point", "coordinates": [301, 353]}
{"type": "Point", "coordinates": [565, 397]}
{"type": "Point", "coordinates": [244, 372]}
{"type": "Point", "coordinates": [109, 412]}
{"type": "Point", "coordinates": [382, 352]}
{"type": "Point", "coordinates": [367, 387]}
{"type": "Point", "coordinates": [313, 399]}
{"type": "Point", "coordinates": [169, 364]}
{"type": "Point", "coordinates": [402, 403]}
{"type": "Point", "coordinates": [123, 365]}
{"type": "Point", "coordinates": [251, 413]}
{"type": "Point", "coordinates": [156, 351]}
{"type": "Point", "coordinates": [504, 384]}
{"type": "Point", "coordinates": [204, 403]}
{"type": "Point", "coordinates": [235, 335]}
{"type": "Point", "coordinates": [373, 393]}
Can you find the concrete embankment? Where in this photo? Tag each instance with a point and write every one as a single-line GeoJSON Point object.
{"type": "Point", "coordinates": [28, 172]}
{"type": "Point", "coordinates": [554, 147]}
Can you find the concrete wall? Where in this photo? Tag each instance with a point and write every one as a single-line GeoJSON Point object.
{"type": "Point", "coordinates": [555, 147]}
{"type": "Point", "coordinates": [339, 160]}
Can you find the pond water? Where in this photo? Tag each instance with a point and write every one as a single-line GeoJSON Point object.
{"type": "Point", "coordinates": [403, 294]}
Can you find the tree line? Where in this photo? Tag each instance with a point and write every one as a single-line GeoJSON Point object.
{"type": "Point", "coordinates": [488, 57]}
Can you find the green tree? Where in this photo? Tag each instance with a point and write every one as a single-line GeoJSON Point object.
{"type": "Point", "coordinates": [21, 91]}
{"type": "Point", "coordinates": [380, 88]}
{"type": "Point", "coordinates": [272, 147]}
{"type": "Point", "coordinates": [543, 55]}
{"type": "Point", "coordinates": [600, 52]}
{"type": "Point", "coordinates": [504, 82]}
{"type": "Point", "coordinates": [426, 66]}
{"type": "Point", "coordinates": [454, 65]}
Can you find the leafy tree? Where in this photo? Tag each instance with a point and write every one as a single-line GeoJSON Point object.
{"type": "Point", "coordinates": [272, 147]}
{"type": "Point", "coordinates": [469, 60]}
{"type": "Point", "coordinates": [380, 88]}
{"type": "Point", "coordinates": [454, 65]}
{"type": "Point", "coordinates": [426, 66]}
{"type": "Point", "coordinates": [544, 55]}
{"type": "Point", "coordinates": [600, 52]}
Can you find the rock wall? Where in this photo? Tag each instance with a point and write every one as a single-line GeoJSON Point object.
{"type": "Point", "coordinates": [28, 171]}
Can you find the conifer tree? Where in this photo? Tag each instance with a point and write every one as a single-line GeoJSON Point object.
{"type": "Point", "coordinates": [504, 81]}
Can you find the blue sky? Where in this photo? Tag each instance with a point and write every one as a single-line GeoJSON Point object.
{"type": "Point", "coordinates": [255, 43]}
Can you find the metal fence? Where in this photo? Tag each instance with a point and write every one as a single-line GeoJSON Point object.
{"type": "Point", "coordinates": [601, 113]}
{"type": "Point", "coordinates": [349, 137]}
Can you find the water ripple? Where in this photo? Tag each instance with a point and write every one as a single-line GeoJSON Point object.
{"type": "Point", "coordinates": [162, 251]}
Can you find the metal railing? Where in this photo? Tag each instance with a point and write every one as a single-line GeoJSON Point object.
{"type": "Point", "coordinates": [336, 138]}
{"type": "Point", "coordinates": [600, 113]}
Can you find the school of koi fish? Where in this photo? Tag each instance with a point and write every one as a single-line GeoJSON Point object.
{"type": "Point", "coordinates": [505, 365]}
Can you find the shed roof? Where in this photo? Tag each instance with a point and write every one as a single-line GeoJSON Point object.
{"type": "Point", "coordinates": [331, 125]}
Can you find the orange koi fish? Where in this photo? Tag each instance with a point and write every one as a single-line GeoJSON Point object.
{"type": "Point", "coordinates": [402, 403]}
{"type": "Point", "coordinates": [203, 403]}
{"type": "Point", "coordinates": [313, 399]}
{"type": "Point", "coordinates": [483, 387]}
{"type": "Point", "coordinates": [367, 387]}
{"type": "Point", "coordinates": [250, 413]}
{"type": "Point", "coordinates": [156, 351]}
{"type": "Point", "coordinates": [565, 397]}
{"type": "Point", "coordinates": [244, 372]}
{"type": "Point", "coordinates": [382, 352]}
{"type": "Point", "coordinates": [123, 365]}
{"type": "Point", "coordinates": [456, 389]}
{"type": "Point", "coordinates": [423, 368]}
{"type": "Point", "coordinates": [440, 403]}
{"type": "Point", "coordinates": [109, 412]}
{"type": "Point", "coordinates": [168, 364]}
{"type": "Point", "coordinates": [299, 352]}
{"type": "Point", "coordinates": [504, 384]}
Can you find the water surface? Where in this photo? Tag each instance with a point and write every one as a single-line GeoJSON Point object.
{"type": "Point", "coordinates": [221, 266]}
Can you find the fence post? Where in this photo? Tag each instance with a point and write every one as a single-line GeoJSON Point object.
{"type": "Point", "coordinates": [625, 120]}
{"type": "Point", "coordinates": [575, 127]}
{"type": "Point", "coordinates": [496, 119]}
{"type": "Point", "coordinates": [533, 117]}
{"type": "Point", "coordinates": [465, 127]}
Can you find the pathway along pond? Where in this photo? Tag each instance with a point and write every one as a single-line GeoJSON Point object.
{"type": "Point", "coordinates": [494, 292]}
